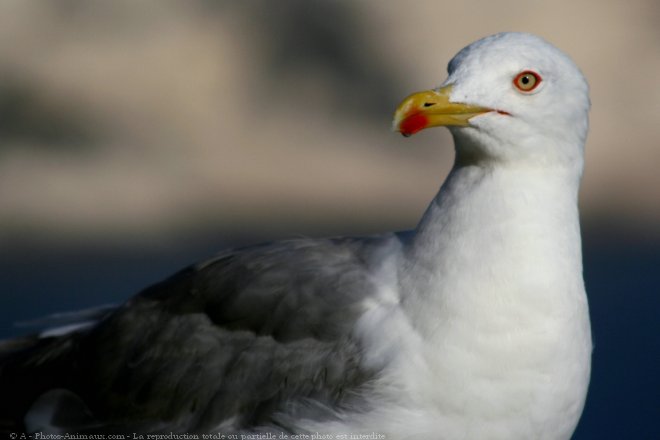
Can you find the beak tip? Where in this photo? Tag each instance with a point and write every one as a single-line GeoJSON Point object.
{"type": "Point", "coordinates": [412, 124]}
{"type": "Point", "coordinates": [396, 124]}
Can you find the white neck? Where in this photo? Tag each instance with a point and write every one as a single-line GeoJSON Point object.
{"type": "Point", "coordinates": [492, 287]}
{"type": "Point", "coordinates": [514, 230]}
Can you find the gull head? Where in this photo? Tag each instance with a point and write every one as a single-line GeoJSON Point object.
{"type": "Point", "coordinates": [510, 97]}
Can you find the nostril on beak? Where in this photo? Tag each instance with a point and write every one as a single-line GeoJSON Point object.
{"type": "Point", "coordinates": [429, 104]}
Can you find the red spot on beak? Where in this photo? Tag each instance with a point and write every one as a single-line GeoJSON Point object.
{"type": "Point", "coordinates": [412, 124]}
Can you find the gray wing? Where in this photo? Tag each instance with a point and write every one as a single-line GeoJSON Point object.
{"type": "Point", "coordinates": [254, 339]}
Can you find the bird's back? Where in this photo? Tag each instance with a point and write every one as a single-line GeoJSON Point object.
{"type": "Point", "coordinates": [253, 339]}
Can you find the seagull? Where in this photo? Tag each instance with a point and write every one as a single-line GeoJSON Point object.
{"type": "Point", "coordinates": [474, 325]}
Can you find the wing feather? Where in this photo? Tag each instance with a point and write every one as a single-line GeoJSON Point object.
{"type": "Point", "coordinates": [251, 339]}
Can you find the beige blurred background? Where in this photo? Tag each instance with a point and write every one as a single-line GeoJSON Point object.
{"type": "Point", "coordinates": [130, 123]}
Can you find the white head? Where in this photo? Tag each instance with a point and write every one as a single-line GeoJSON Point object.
{"type": "Point", "coordinates": [510, 97]}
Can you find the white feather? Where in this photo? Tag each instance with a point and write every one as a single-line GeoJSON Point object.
{"type": "Point", "coordinates": [490, 338]}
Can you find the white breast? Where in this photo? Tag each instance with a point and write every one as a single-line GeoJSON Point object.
{"type": "Point", "coordinates": [491, 339]}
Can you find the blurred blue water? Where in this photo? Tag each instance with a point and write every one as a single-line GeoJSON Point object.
{"type": "Point", "coordinates": [623, 283]}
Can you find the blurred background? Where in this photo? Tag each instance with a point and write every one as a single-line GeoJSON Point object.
{"type": "Point", "coordinates": [139, 137]}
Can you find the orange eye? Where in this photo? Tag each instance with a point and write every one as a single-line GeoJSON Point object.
{"type": "Point", "coordinates": [527, 81]}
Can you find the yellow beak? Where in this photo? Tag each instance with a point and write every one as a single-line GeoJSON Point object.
{"type": "Point", "coordinates": [432, 109]}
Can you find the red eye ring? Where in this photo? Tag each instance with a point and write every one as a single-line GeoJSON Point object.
{"type": "Point", "coordinates": [527, 80]}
